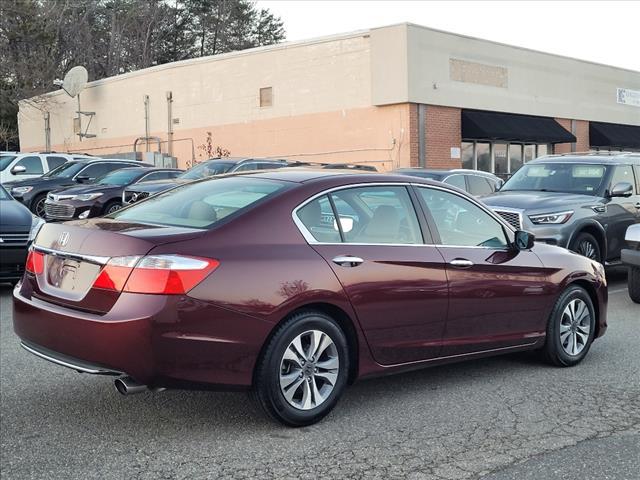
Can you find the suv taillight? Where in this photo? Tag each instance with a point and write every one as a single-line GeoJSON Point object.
{"type": "Point", "coordinates": [156, 274]}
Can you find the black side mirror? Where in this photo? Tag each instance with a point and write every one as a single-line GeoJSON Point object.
{"type": "Point", "coordinates": [524, 240]}
{"type": "Point", "coordinates": [83, 179]}
{"type": "Point", "coordinates": [622, 189]}
{"type": "Point", "coordinates": [19, 169]}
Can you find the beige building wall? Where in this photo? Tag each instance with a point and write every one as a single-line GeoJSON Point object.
{"type": "Point", "coordinates": [321, 104]}
{"type": "Point", "coordinates": [452, 70]}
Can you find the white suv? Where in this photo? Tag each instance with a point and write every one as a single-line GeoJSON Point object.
{"type": "Point", "coordinates": [20, 166]}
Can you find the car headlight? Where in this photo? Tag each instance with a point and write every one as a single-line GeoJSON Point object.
{"type": "Point", "coordinates": [551, 218]}
{"type": "Point", "coordinates": [36, 225]}
{"type": "Point", "coordinates": [21, 189]}
{"type": "Point", "coordinates": [88, 196]}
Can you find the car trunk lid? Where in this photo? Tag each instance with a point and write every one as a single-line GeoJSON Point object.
{"type": "Point", "coordinates": [75, 253]}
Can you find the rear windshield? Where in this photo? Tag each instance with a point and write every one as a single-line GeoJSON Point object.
{"type": "Point", "coordinates": [123, 176]}
{"type": "Point", "coordinates": [206, 169]}
{"type": "Point", "coordinates": [201, 204]}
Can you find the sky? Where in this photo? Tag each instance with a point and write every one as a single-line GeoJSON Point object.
{"type": "Point", "coordinates": [605, 32]}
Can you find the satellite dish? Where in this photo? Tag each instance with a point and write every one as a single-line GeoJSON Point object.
{"type": "Point", "coordinates": [75, 81]}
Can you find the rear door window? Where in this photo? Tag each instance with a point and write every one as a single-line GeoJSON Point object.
{"type": "Point", "coordinates": [456, 181]}
{"type": "Point", "coordinates": [318, 219]}
{"type": "Point", "coordinates": [374, 215]}
{"type": "Point", "coordinates": [202, 204]}
{"type": "Point", "coordinates": [54, 161]}
{"type": "Point", "coordinates": [479, 185]}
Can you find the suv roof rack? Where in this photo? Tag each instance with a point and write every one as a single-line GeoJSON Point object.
{"type": "Point", "coordinates": [594, 153]}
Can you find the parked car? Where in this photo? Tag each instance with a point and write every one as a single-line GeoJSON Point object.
{"type": "Point", "coordinates": [578, 201]}
{"type": "Point", "coordinates": [208, 168]}
{"type": "Point", "coordinates": [21, 166]}
{"type": "Point", "coordinates": [476, 182]}
{"type": "Point", "coordinates": [33, 192]}
{"type": "Point", "coordinates": [18, 227]}
{"type": "Point", "coordinates": [259, 281]}
{"type": "Point", "coordinates": [631, 257]}
{"type": "Point", "coordinates": [103, 196]}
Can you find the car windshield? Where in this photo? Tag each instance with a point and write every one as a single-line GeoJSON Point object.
{"type": "Point", "coordinates": [578, 178]}
{"type": "Point", "coordinates": [3, 194]}
{"type": "Point", "coordinates": [206, 169]}
{"type": "Point", "coordinates": [66, 170]}
{"type": "Point", "coordinates": [119, 177]}
{"type": "Point", "coordinates": [5, 160]}
{"type": "Point", "coordinates": [201, 204]}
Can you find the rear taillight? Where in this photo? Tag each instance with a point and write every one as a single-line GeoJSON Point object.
{"type": "Point", "coordinates": [162, 274]}
{"type": "Point", "coordinates": [35, 262]}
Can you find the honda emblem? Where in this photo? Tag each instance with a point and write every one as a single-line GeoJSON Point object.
{"type": "Point", "coordinates": [63, 239]}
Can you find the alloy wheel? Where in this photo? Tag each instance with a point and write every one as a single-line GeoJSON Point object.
{"type": "Point", "coordinates": [39, 208]}
{"type": "Point", "coordinates": [575, 327]}
{"type": "Point", "coordinates": [587, 249]}
{"type": "Point", "coordinates": [309, 370]}
{"type": "Point", "coordinates": [114, 208]}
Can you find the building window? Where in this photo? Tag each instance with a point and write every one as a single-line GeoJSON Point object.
{"type": "Point", "coordinates": [500, 158]}
{"type": "Point", "coordinates": [266, 97]}
{"type": "Point", "coordinates": [515, 157]}
{"type": "Point", "coordinates": [468, 155]}
{"type": "Point", "coordinates": [483, 157]}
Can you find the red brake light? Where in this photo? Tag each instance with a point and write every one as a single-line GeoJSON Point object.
{"type": "Point", "coordinates": [161, 274]}
{"type": "Point", "coordinates": [35, 262]}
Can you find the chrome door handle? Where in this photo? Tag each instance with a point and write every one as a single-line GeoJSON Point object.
{"type": "Point", "coordinates": [347, 261]}
{"type": "Point", "coordinates": [638, 205]}
{"type": "Point", "coordinates": [461, 263]}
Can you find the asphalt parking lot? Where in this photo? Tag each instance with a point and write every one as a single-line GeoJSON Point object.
{"type": "Point", "coordinates": [502, 418]}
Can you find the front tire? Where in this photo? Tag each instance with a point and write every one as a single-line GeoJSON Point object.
{"type": "Point", "coordinates": [303, 370]}
{"type": "Point", "coordinates": [586, 245]}
{"type": "Point", "coordinates": [633, 284]}
{"type": "Point", "coordinates": [37, 205]}
{"type": "Point", "coordinates": [571, 328]}
{"type": "Point", "coordinates": [112, 206]}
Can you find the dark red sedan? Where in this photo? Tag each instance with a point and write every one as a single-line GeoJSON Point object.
{"type": "Point", "coordinates": [294, 283]}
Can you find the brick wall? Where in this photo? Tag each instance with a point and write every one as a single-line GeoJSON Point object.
{"type": "Point", "coordinates": [414, 144]}
{"type": "Point", "coordinates": [443, 131]}
{"type": "Point", "coordinates": [581, 133]}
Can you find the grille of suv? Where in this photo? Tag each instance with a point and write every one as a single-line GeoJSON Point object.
{"type": "Point", "coordinates": [513, 218]}
{"type": "Point", "coordinates": [13, 239]}
{"type": "Point", "coordinates": [56, 210]}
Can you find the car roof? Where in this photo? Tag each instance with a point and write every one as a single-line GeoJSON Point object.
{"type": "Point", "coordinates": [601, 158]}
{"type": "Point", "coordinates": [236, 160]}
{"type": "Point", "coordinates": [341, 176]}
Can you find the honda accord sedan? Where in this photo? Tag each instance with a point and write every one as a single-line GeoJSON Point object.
{"type": "Point", "coordinates": [294, 283]}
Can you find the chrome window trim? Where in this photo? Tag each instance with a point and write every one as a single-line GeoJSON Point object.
{"type": "Point", "coordinates": [78, 256]}
{"type": "Point", "coordinates": [312, 241]}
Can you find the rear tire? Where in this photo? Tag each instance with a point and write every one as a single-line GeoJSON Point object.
{"type": "Point", "coordinates": [296, 383]}
{"type": "Point", "coordinates": [571, 328]}
{"type": "Point", "coordinates": [633, 284]}
{"type": "Point", "coordinates": [586, 245]}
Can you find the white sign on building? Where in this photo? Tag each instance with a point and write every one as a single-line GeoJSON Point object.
{"type": "Point", "coordinates": [626, 96]}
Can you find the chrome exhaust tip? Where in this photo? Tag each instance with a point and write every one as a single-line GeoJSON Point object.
{"type": "Point", "coordinates": [128, 386]}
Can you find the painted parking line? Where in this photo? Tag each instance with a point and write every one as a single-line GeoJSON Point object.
{"type": "Point", "coordinates": [617, 291]}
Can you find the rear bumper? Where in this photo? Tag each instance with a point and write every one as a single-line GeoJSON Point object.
{"type": "Point", "coordinates": [160, 341]}
{"type": "Point", "coordinates": [630, 257]}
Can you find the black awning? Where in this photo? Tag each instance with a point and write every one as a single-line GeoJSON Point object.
{"type": "Point", "coordinates": [614, 135]}
{"type": "Point", "coordinates": [483, 125]}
